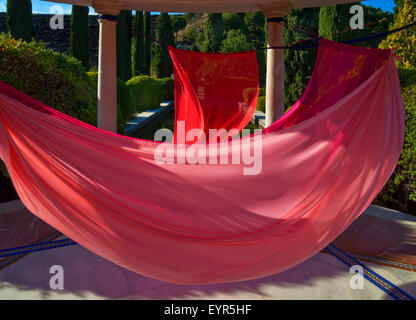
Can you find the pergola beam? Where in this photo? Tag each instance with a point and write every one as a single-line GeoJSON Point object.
{"type": "Point", "coordinates": [207, 6]}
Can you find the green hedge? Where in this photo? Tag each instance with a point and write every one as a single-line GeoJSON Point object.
{"type": "Point", "coordinates": [56, 80]}
{"type": "Point", "coordinates": [168, 89]}
{"type": "Point", "coordinates": [150, 92]}
{"type": "Point", "coordinates": [400, 191]}
{"type": "Point", "coordinates": [261, 104]}
{"type": "Point", "coordinates": [52, 78]}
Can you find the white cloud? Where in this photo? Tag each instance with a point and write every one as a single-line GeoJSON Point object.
{"type": "Point", "coordinates": [2, 7]}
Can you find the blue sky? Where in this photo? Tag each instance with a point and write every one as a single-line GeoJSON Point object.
{"type": "Point", "coordinates": [44, 7]}
{"type": "Point", "coordinates": [386, 5]}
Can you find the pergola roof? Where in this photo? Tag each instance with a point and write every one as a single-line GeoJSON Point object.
{"type": "Point", "coordinates": [206, 5]}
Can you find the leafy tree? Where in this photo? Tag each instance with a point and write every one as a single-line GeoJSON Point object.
{"type": "Point", "coordinates": [234, 21]}
{"type": "Point", "coordinates": [138, 51]}
{"type": "Point", "coordinates": [194, 47]}
{"type": "Point", "coordinates": [299, 63]}
{"type": "Point", "coordinates": [147, 43]}
{"type": "Point", "coordinates": [190, 36]}
{"type": "Point", "coordinates": [213, 33]}
{"type": "Point", "coordinates": [334, 23]}
{"type": "Point", "coordinates": [377, 21]}
{"type": "Point", "coordinates": [200, 39]}
{"type": "Point", "coordinates": [255, 22]}
{"type": "Point", "coordinates": [162, 64]}
{"type": "Point", "coordinates": [236, 41]}
{"type": "Point", "coordinates": [79, 41]}
{"type": "Point", "coordinates": [399, 5]}
{"type": "Point", "coordinates": [189, 17]}
{"type": "Point", "coordinates": [124, 69]}
{"type": "Point", "coordinates": [404, 41]}
{"type": "Point", "coordinates": [178, 24]}
{"type": "Point", "coordinates": [333, 20]}
{"type": "Point", "coordinates": [19, 19]}
{"type": "Point", "coordinates": [399, 193]}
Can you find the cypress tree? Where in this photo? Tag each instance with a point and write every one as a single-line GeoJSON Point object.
{"type": "Point", "coordinates": [124, 69]}
{"type": "Point", "coordinates": [236, 41]}
{"type": "Point", "coordinates": [334, 23]}
{"type": "Point", "coordinates": [333, 19]}
{"type": "Point", "coordinates": [255, 22]}
{"type": "Point", "coordinates": [19, 19]}
{"type": "Point", "coordinates": [299, 64]}
{"type": "Point", "coordinates": [162, 64]}
{"type": "Point", "coordinates": [380, 22]}
{"type": "Point", "coordinates": [79, 42]}
{"type": "Point", "coordinates": [178, 24]}
{"type": "Point", "coordinates": [147, 43]}
{"type": "Point", "coordinates": [235, 21]}
{"type": "Point", "coordinates": [138, 45]}
{"type": "Point", "coordinates": [213, 33]}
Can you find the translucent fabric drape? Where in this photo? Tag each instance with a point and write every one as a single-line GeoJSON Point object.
{"type": "Point", "coordinates": [320, 167]}
{"type": "Point", "coordinates": [214, 90]}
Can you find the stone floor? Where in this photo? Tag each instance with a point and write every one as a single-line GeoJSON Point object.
{"type": "Point", "coordinates": [88, 276]}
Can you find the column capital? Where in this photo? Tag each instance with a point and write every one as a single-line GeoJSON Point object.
{"type": "Point", "coordinates": [275, 9]}
{"type": "Point", "coordinates": [111, 7]}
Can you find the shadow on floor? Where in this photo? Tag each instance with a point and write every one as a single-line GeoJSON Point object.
{"type": "Point", "coordinates": [408, 288]}
{"type": "Point", "coordinates": [87, 275]}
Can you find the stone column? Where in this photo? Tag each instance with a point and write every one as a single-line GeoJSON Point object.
{"type": "Point", "coordinates": [107, 64]}
{"type": "Point", "coordinates": [275, 88]}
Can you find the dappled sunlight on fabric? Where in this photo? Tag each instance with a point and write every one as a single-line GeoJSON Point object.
{"type": "Point", "coordinates": [214, 90]}
{"type": "Point", "coordinates": [321, 166]}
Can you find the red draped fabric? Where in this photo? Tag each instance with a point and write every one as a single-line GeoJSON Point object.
{"type": "Point", "coordinates": [214, 90]}
{"type": "Point", "coordinates": [339, 70]}
{"type": "Point", "coordinates": [313, 172]}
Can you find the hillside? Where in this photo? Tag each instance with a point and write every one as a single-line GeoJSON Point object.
{"type": "Point", "coordinates": [196, 22]}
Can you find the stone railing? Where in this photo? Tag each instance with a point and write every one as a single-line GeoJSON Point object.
{"type": "Point", "coordinates": [145, 120]}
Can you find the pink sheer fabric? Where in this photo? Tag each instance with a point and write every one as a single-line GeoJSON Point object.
{"type": "Point", "coordinates": [208, 223]}
{"type": "Point", "coordinates": [214, 90]}
{"type": "Point", "coordinates": [339, 69]}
